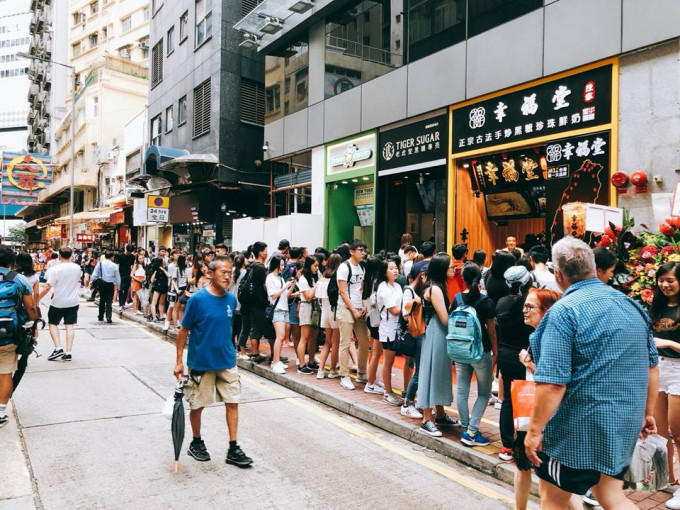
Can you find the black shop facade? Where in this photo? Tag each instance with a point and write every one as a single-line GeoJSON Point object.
{"type": "Point", "coordinates": [528, 160]}
{"type": "Point", "coordinates": [412, 184]}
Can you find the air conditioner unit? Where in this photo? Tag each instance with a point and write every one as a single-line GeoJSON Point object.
{"type": "Point", "coordinates": [124, 53]}
{"type": "Point", "coordinates": [143, 45]}
{"type": "Point", "coordinates": [101, 155]}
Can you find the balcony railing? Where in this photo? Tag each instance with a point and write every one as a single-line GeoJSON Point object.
{"type": "Point", "coordinates": [359, 50]}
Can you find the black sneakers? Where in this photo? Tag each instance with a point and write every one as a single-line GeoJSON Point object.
{"type": "Point", "coordinates": [56, 354]}
{"type": "Point", "coordinates": [66, 357]}
{"type": "Point", "coordinates": [305, 370]}
{"type": "Point", "coordinates": [4, 420]}
{"type": "Point", "coordinates": [198, 451]}
{"type": "Point", "coordinates": [237, 457]}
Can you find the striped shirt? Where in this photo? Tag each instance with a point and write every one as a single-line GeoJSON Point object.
{"type": "Point", "coordinates": [598, 343]}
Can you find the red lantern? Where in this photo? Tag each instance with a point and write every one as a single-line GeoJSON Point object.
{"type": "Point", "coordinates": [639, 180]}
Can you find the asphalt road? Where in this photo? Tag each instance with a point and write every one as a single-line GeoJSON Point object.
{"type": "Point", "coordinates": [91, 435]}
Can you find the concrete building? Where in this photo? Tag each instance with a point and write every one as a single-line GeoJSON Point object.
{"type": "Point", "coordinates": [206, 112]}
{"type": "Point", "coordinates": [48, 81]}
{"type": "Point", "coordinates": [15, 18]}
{"type": "Point", "coordinates": [354, 88]}
{"type": "Point", "coordinates": [108, 48]}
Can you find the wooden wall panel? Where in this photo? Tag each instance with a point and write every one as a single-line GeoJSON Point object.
{"type": "Point", "coordinates": [482, 233]}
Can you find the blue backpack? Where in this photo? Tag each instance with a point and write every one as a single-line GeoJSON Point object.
{"type": "Point", "coordinates": [464, 338]}
{"type": "Point", "coordinates": [11, 317]}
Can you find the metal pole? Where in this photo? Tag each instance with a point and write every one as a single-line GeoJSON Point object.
{"type": "Point", "coordinates": [73, 159]}
{"type": "Point", "coordinates": [157, 240]}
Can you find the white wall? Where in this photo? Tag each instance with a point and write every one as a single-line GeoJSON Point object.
{"type": "Point", "coordinates": [300, 229]}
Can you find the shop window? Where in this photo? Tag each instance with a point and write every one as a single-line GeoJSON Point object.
{"type": "Point", "coordinates": [434, 25]}
{"type": "Point", "coordinates": [487, 14]}
{"type": "Point", "coordinates": [361, 39]}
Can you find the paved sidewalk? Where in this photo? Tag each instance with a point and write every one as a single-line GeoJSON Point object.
{"type": "Point", "coordinates": [372, 409]}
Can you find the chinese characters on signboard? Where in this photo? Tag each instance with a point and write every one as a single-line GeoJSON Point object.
{"type": "Point", "coordinates": [417, 143]}
{"type": "Point", "coordinates": [573, 102]}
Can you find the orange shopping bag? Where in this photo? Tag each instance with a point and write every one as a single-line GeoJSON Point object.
{"type": "Point", "coordinates": [523, 395]}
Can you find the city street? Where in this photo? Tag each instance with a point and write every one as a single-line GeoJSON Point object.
{"type": "Point", "coordinates": [94, 437]}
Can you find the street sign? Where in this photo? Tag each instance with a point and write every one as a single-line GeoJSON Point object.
{"type": "Point", "coordinates": [208, 233]}
{"type": "Point", "coordinates": [158, 208]}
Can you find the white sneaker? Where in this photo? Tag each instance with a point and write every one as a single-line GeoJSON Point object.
{"type": "Point", "coordinates": [494, 387]}
{"type": "Point", "coordinates": [379, 384]}
{"type": "Point", "coordinates": [373, 388]}
{"type": "Point", "coordinates": [333, 374]}
{"type": "Point", "coordinates": [166, 326]}
{"type": "Point", "coordinates": [244, 357]}
{"type": "Point", "coordinates": [346, 383]}
{"type": "Point", "coordinates": [321, 374]}
{"type": "Point", "coordinates": [278, 368]}
{"type": "Point", "coordinates": [498, 405]}
{"type": "Point", "coordinates": [411, 412]}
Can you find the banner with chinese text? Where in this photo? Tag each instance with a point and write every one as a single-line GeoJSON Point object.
{"type": "Point", "coordinates": [23, 176]}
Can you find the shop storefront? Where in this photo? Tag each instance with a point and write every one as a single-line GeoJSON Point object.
{"type": "Point", "coordinates": [525, 161]}
{"type": "Point", "coordinates": [350, 190]}
{"type": "Point", "coordinates": [412, 182]}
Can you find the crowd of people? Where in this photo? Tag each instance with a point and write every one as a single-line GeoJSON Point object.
{"type": "Point", "coordinates": [549, 317]}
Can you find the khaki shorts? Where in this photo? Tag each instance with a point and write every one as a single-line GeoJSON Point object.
{"type": "Point", "coordinates": [8, 359]}
{"type": "Point", "coordinates": [226, 383]}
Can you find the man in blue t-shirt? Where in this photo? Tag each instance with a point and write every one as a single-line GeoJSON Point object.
{"type": "Point", "coordinates": [207, 323]}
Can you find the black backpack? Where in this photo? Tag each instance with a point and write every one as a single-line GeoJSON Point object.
{"type": "Point", "coordinates": [334, 290]}
{"type": "Point", "coordinates": [246, 289]}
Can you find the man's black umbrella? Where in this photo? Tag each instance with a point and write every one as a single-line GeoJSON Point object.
{"type": "Point", "coordinates": [25, 348]}
{"type": "Point", "coordinates": [177, 426]}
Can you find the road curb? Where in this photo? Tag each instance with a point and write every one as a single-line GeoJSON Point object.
{"type": "Point", "coordinates": [497, 468]}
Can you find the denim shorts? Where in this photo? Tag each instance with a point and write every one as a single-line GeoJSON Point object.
{"type": "Point", "coordinates": [669, 375]}
{"type": "Point", "coordinates": [280, 316]}
{"type": "Point", "coordinates": [293, 317]}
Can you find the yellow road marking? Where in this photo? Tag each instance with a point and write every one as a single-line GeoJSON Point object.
{"type": "Point", "coordinates": [360, 432]}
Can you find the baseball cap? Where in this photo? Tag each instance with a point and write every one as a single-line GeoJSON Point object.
{"type": "Point", "coordinates": [517, 274]}
{"type": "Point", "coordinates": [419, 267]}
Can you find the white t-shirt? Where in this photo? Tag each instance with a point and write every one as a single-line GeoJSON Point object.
{"type": "Point", "coordinates": [32, 280]}
{"type": "Point", "coordinates": [64, 280]}
{"type": "Point", "coordinates": [546, 280]}
{"type": "Point", "coordinates": [353, 283]}
{"type": "Point", "coordinates": [274, 283]}
{"type": "Point", "coordinates": [406, 266]}
{"type": "Point", "coordinates": [388, 296]}
{"type": "Point", "coordinates": [182, 279]}
{"type": "Point", "coordinates": [303, 284]}
{"type": "Point", "coordinates": [408, 296]}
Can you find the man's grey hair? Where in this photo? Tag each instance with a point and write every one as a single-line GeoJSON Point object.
{"type": "Point", "coordinates": [574, 259]}
{"type": "Point", "coordinates": [219, 259]}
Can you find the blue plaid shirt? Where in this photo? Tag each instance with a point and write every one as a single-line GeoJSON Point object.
{"type": "Point", "coordinates": [597, 342]}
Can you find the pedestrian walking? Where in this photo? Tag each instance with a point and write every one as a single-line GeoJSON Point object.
{"type": "Point", "coordinates": [369, 294]}
{"type": "Point", "coordinates": [435, 389]}
{"type": "Point", "coordinates": [595, 361]}
{"type": "Point", "coordinates": [483, 369]}
{"type": "Point", "coordinates": [171, 295]}
{"type": "Point", "coordinates": [18, 291]}
{"type": "Point", "coordinates": [260, 325]}
{"type": "Point", "coordinates": [63, 280]}
{"type": "Point", "coordinates": [138, 282]}
{"type": "Point", "coordinates": [125, 262]}
{"type": "Point", "coordinates": [180, 282]}
{"type": "Point", "coordinates": [107, 275]}
{"type": "Point", "coordinates": [351, 313]}
{"type": "Point", "coordinates": [213, 374]}
{"type": "Point", "coordinates": [24, 266]}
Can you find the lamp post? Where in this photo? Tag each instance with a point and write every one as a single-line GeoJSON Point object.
{"type": "Point", "coordinates": [22, 54]}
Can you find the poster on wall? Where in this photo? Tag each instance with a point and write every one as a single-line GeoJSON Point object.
{"type": "Point", "coordinates": [577, 175]}
{"type": "Point", "coordinates": [573, 102]}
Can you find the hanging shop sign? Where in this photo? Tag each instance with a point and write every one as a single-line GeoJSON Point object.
{"type": "Point", "coordinates": [363, 195]}
{"type": "Point", "coordinates": [572, 102]}
{"type": "Point", "coordinates": [85, 238]}
{"type": "Point", "coordinates": [580, 169]}
{"type": "Point", "coordinates": [355, 154]}
{"type": "Point", "coordinates": [506, 170]}
{"type": "Point", "coordinates": [117, 218]}
{"type": "Point", "coordinates": [414, 146]}
{"type": "Point", "coordinates": [23, 176]}
{"type": "Point", "coordinates": [53, 231]}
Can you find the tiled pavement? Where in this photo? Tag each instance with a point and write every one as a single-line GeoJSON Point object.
{"type": "Point", "coordinates": [375, 411]}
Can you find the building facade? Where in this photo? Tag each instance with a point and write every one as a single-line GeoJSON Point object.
{"type": "Point", "coordinates": [108, 50]}
{"type": "Point", "coordinates": [15, 37]}
{"type": "Point", "coordinates": [206, 104]}
{"type": "Point", "coordinates": [394, 68]}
